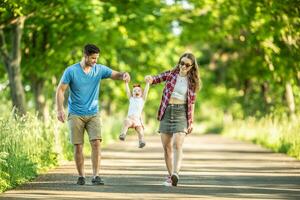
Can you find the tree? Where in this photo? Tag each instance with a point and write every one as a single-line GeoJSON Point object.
{"type": "Point", "coordinates": [13, 17]}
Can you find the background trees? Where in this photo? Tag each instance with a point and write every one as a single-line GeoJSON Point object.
{"type": "Point", "coordinates": [251, 47]}
{"type": "Point", "coordinates": [248, 53]}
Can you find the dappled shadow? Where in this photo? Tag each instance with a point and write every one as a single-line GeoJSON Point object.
{"type": "Point", "coordinates": [270, 187]}
{"type": "Point", "coordinates": [187, 149]}
{"type": "Point", "coordinates": [211, 169]}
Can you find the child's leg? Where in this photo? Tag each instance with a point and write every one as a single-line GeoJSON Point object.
{"type": "Point", "coordinates": [140, 131]}
{"type": "Point", "coordinates": [126, 124]}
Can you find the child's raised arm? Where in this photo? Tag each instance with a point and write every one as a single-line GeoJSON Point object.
{"type": "Point", "coordinates": [128, 93]}
{"type": "Point", "coordinates": [146, 90]}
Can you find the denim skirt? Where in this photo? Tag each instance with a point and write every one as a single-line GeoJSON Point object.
{"type": "Point", "coordinates": [174, 119]}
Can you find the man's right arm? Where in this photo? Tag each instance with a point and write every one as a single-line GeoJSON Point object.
{"type": "Point", "coordinates": [60, 91]}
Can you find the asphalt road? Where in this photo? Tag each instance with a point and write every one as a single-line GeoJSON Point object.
{"type": "Point", "coordinates": [213, 167]}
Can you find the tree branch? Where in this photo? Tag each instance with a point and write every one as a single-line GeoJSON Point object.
{"type": "Point", "coordinates": [15, 20]}
{"type": "Point", "coordinates": [17, 36]}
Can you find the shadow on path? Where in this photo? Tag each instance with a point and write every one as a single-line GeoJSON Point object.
{"type": "Point", "coordinates": [214, 167]}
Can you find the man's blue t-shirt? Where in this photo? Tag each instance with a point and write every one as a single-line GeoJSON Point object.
{"type": "Point", "coordinates": [84, 88]}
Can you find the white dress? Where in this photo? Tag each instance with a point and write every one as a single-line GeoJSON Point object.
{"type": "Point", "coordinates": [136, 105]}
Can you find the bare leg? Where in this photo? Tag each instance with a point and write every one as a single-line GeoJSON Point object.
{"type": "Point", "coordinates": [177, 145]}
{"type": "Point", "coordinates": [127, 123]}
{"type": "Point", "coordinates": [96, 156]}
{"type": "Point", "coordinates": [79, 159]}
{"type": "Point", "coordinates": [166, 140]}
{"type": "Point", "coordinates": [140, 132]}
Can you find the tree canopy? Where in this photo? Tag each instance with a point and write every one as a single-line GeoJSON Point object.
{"type": "Point", "coordinates": [249, 46]}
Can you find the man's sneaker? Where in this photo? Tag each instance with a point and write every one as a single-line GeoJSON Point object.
{"type": "Point", "coordinates": [142, 144]}
{"type": "Point", "coordinates": [81, 180]}
{"type": "Point", "coordinates": [168, 182]}
{"type": "Point", "coordinates": [174, 179]}
{"type": "Point", "coordinates": [97, 181]}
{"type": "Point", "coordinates": [122, 137]}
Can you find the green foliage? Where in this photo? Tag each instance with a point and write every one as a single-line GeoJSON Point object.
{"type": "Point", "coordinates": [281, 134]}
{"type": "Point", "coordinates": [28, 146]}
{"type": "Point", "coordinates": [248, 52]}
{"type": "Point", "coordinates": [245, 45]}
{"type": "Point", "coordinates": [4, 176]}
{"type": "Point", "coordinates": [253, 42]}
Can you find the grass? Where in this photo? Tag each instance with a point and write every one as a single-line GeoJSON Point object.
{"type": "Point", "coordinates": [280, 134]}
{"type": "Point", "coordinates": [222, 114]}
{"type": "Point", "coordinates": [27, 147]}
{"type": "Point", "coordinates": [30, 146]}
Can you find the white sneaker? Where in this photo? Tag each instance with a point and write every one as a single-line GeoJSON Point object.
{"type": "Point", "coordinates": [168, 182]}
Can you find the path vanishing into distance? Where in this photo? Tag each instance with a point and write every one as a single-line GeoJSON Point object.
{"type": "Point", "coordinates": [214, 167]}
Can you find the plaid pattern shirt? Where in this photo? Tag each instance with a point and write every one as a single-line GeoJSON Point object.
{"type": "Point", "coordinates": [170, 78]}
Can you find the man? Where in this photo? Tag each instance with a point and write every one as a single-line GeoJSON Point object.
{"type": "Point", "coordinates": [83, 80]}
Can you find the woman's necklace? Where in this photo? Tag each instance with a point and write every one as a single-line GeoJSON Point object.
{"type": "Point", "coordinates": [181, 79]}
{"type": "Point", "coordinates": [182, 74]}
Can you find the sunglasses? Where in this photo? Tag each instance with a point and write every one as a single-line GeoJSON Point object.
{"type": "Point", "coordinates": [186, 64]}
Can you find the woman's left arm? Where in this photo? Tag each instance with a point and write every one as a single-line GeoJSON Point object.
{"type": "Point", "coordinates": [193, 109]}
{"type": "Point", "coordinates": [190, 128]}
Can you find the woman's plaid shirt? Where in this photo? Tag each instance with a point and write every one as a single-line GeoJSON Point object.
{"type": "Point", "coordinates": [170, 78]}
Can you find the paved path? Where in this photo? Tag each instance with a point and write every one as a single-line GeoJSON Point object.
{"type": "Point", "coordinates": [213, 168]}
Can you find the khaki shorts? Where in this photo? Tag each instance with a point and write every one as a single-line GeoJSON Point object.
{"type": "Point", "coordinates": [77, 125]}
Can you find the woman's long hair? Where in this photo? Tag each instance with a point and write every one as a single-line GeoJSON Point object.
{"type": "Point", "coordinates": [193, 74]}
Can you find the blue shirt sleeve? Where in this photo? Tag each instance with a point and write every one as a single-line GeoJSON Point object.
{"type": "Point", "coordinates": [66, 78]}
{"type": "Point", "coordinates": [105, 72]}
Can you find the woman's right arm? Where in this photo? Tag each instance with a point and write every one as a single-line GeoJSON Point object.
{"type": "Point", "coordinates": [158, 78]}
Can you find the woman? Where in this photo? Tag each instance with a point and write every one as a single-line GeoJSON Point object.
{"type": "Point", "coordinates": [176, 111]}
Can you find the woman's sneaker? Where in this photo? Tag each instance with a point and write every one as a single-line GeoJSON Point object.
{"type": "Point", "coordinates": [168, 182]}
{"type": "Point", "coordinates": [174, 179]}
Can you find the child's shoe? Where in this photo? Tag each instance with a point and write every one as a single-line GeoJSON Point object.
{"type": "Point", "coordinates": [122, 137]}
{"type": "Point", "coordinates": [142, 144]}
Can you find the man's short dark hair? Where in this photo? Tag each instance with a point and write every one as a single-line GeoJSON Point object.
{"type": "Point", "coordinates": [90, 49]}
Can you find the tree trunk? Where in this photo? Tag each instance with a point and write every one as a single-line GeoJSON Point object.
{"type": "Point", "coordinates": [247, 89]}
{"type": "Point", "coordinates": [289, 96]}
{"type": "Point", "coordinates": [12, 65]}
{"type": "Point", "coordinates": [264, 91]}
{"type": "Point", "coordinates": [39, 98]}
{"type": "Point", "coordinates": [38, 82]}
